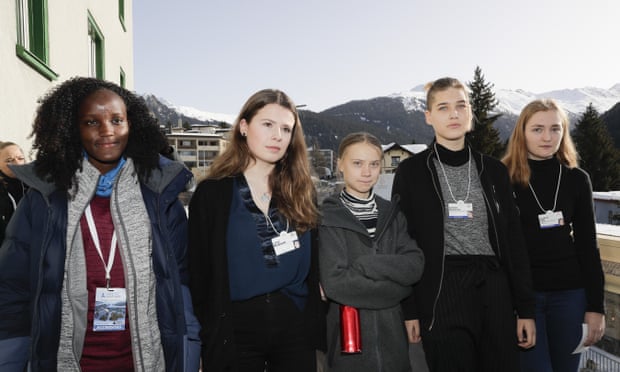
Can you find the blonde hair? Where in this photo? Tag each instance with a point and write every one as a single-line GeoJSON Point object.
{"type": "Point", "coordinates": [290, 181]}
{"type": "Point", "coordinates": [516, 153]}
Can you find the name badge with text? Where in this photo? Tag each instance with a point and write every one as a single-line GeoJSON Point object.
{"type": "Point", "coordinates": [460, 209]}
{"type": "Point", "coordinates": [286, 242]}
{"type": "Point", "coordinates": [110, 309]}
{"type": "Point", "coordinates": [551, 219]}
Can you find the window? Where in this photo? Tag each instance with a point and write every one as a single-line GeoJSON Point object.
{"type": "Point", "coordinates": [395, 161]}
{"type": "Point", "coordinates": [186, 143]}
{"type": "Point", "coordinates": [121, 13]}
{"type": "Point", "coordinates": [187, 154]}
{"type": "Point", "coordinates": [32, 38]}
{"type": "Point", "coordinates": [96, 47]}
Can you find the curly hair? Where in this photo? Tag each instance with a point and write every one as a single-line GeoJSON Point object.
{"type": "Point", "coordinates": [57, 141]}
{"type": "Point", "coordinates": [290, 180]}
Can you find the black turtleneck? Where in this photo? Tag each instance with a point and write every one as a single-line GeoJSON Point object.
{"type": "Point", "coordinates": [452, 158]}
{"type": "Point", "coordinates": [563, 257]}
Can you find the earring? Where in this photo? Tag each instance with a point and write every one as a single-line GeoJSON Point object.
{"type": "Point", "coordinates": [243, 134]}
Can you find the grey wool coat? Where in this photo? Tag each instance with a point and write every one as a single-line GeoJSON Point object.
{"type": "Point", "coordinates": [373, 275]}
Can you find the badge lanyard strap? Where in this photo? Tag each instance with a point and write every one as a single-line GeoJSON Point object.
{"type": "Point", "coordinates": [273, 227]}
{"type": "Point", "coordinates": [270, 222]}
{"type": "Point", "coordinates": [446, 177]}
{"type": "Point", "coordinates": [555, 199]}
{"type": "Point", "coordinates": [93, 233]}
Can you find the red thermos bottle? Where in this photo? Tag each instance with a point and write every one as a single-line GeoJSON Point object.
{"type": "Point", "coordinates": [350, 333]}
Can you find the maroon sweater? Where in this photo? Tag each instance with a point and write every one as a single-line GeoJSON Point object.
{"type": "Point", "coordinates": [103, 351]}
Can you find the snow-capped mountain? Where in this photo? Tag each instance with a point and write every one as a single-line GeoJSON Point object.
{"type": "Point", "coordinates": [168, 112]}
{"type": "Point", "coordinates": [398, 117]}
{"type": "Point", "coordinates": [204, 115]}
{"type": "Point", "coordinates": [574, 101]}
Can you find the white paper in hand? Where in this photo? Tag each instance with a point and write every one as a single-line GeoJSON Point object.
{"type": "Point", "coordinates": [584, 333]}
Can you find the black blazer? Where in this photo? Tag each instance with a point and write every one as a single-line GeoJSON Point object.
{"type": "Point", "coordinates": [421, 201]}
{"type": "Point", "coordinates": [209, 211]}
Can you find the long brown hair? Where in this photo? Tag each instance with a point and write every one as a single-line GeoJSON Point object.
{"type": "Point", "coordinates": [516, 153]}
{"type": "Point", "coordinates": [290, 182]}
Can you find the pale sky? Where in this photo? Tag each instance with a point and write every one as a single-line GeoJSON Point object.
{"type": "Point", "coordinates": [213, 54]}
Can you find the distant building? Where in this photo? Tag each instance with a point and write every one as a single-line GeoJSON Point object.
{"type": "Point", "coordinates": [394, 153]}
{"type": "Point", "coordinates": [43, 43]}
{"type": "Point", "coordinates": [323, 162]}
{"type": "Point", "coordinates": [198, 147]}
{"type": "Point", "coordinates": [607, 207]}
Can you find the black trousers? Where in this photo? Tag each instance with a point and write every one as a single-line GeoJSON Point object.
{"type": "Point", "coordinates": [270, 335]}
{"type": "Point", "coordinates": [474, 329]}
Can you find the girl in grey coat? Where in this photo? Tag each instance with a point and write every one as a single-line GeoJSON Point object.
{"type": "Point", "coordinates": [367, 260]}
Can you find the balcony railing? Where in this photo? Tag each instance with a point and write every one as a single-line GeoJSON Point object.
{"type": "Point", "coordinates": [597, 360]}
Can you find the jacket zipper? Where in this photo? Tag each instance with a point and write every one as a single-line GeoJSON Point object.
{"type": "Point", "coordinates": [35, 315]}
{"type": "Point", "coordinates": [136, 348]}
{"type": "Point", "coordinates": [490, 208]}
{"type": "Point", "coordinates": [388, 221]}
{"type": "Point", "coordinates": [443, 255]}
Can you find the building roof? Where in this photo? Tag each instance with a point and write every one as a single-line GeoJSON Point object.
{"type": "Point", "coordinates": [411, 148]}
{"type": "Point", "coordinates": [195, 134]}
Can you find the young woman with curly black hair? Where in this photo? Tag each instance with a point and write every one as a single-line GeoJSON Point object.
{"type": "Point", "coordinates": [93, 273]}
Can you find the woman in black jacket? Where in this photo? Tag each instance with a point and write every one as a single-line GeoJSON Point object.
{"type": "Point", "coordinates": [474, 303]}
{"type": "Point", "coordinates": [253, 258]}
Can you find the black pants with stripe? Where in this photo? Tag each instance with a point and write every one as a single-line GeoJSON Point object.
{"type": "Point", "coordinates": [474, 328]}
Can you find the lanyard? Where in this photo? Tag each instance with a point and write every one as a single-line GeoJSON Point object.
{"type": "Point", "coordinates": [446, 177]}
{"type": "Point", "coordinates": [555, 199]}
{"type": "Point", "coordinates": [95, 237]}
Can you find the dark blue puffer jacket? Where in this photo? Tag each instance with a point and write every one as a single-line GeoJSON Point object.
{"type": "Point", "coordinates": [32, 261]}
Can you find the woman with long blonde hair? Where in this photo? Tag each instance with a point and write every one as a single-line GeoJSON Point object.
{"type": "Point", "coordinates": [554, 197]}
{"type": "Point", "coordinates": [253, 263]}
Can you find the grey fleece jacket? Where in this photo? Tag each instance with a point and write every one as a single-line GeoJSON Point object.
{"type": "Point", "coordinates": [373, 275]}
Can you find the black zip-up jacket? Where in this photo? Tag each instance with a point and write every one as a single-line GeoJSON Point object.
{"type": "Point", "coordinates": [421, 201]}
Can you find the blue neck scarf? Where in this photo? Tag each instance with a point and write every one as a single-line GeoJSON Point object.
{"type": "Point", "coordinates": [106, 181]}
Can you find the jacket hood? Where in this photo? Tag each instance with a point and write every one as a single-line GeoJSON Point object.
{"type": "Point", "coordinates": [335, 214]}
{"type": "Point", "coordinates": [158, 181]}
{"type": "Point", "coordinates": [170, 173]}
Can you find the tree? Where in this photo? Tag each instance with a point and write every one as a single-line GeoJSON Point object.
{"type": "Point", "coordinates": [597, 153]}
{"type": "Point", "coordinates": [484, 137]}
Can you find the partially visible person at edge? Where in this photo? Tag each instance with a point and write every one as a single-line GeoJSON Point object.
{"type": "Point", "coordinates": [368, 261]}
{"type": "Point", "coordinates": [93, 271]}
{"type": "Point", "coordinates": [11, 189]}
{"type": "Point", "coordinates": [557, 216]}
{"type": "Point", "coordinates": [253, 257]}
{"type": "Point", "coordinates": [474, 303]}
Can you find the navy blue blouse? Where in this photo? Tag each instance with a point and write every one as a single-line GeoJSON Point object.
{"type": "Point", "coordinates": [253, 266]}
